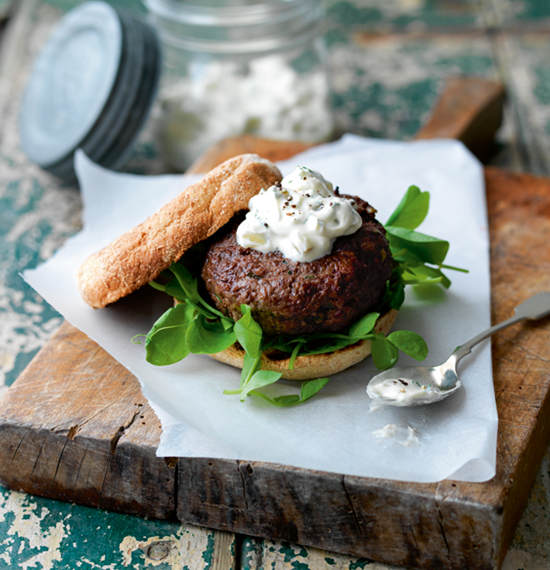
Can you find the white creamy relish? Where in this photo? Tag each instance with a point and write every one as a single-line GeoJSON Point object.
{"type": "Point", "coordinates": [401, 392]}
{"type": "Point", "coordinates": [301, 217]}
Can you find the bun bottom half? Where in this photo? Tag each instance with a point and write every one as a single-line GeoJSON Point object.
{"type": "Point", "coordinates": [308, 367]}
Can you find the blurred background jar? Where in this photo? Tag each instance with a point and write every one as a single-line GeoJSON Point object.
{"type": "Point", "coordinates": [234, 67]}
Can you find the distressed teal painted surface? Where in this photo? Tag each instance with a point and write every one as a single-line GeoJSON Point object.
{"type": "Point", "coordinates": [397, 14]}
{"type": "Point", "coordinates": [132, 6]}
{"type": "Point", "coordinates": [542, 88]}
{"type": "Point", "coordinates": [267, 554]}
{"type": "Point", "coordinates": [526, 10]}
{"type": "Point", "coordinates": [25, 230]}
{"type": "Point", "coordinates": [52, 535]}
{"type": "Point", "coordinates": [346, 17]}
{"type": "Point", "coordinates": [387, 90]}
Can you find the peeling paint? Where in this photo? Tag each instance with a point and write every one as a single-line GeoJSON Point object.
{"type": "Point", "coordinates": [283, 556]}
{"type": "Point", "coordinates": [387, 89]}
{"type": "Point", "coordinates": [188, 546]}
{"type": "Point", "coordinates": [44, 534]}
{"type": "Point", "coordinates": [26, 527]}
{"type": "Point", "coordinates": [97, 566]}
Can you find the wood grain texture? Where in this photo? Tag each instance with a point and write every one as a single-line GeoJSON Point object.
{"type": "Point", "coordinates": [233, 146]}
{"type": "Point", "coordinates": [470, 110]}
{"type": "Point", "coordinates": [76, 427]}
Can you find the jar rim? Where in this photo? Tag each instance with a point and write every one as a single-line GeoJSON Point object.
{"type": "Point", "coordinates": [261, 12]}
{"type": "Point", "coordinates": [258, 46]}
{"type": "Point", "coordinates": [259, 28]}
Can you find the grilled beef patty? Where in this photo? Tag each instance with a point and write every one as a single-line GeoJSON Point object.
{"type": "Point", "coordinates": [325, 295]}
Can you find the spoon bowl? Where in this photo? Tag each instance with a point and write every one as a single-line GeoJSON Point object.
{"type": "Point", "coordinates": [417, 385]}
{"type": "Point", "coordinates": [414, 385]}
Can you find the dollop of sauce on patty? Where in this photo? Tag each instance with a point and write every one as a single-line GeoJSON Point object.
{"type": "Point", "coordinates": [301, 217]}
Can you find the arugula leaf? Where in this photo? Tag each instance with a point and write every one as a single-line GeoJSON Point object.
{"type": "Point", "coordinates": [461, 269]}
{"type": "Point", "coordinates": [425, 248]}
{"type": "Point", "coordinates": [312, 344]}
{"type": "Point", "coordinates": [420, 274]}
{"type": "Point", "coordinates": [384, 353]}
{"type": "Point", "coordinates": [186, 281]}
{"type": "Point", "coordinates": [331, 345]}
{"type": "Point", "coordinates": [165, 344]}
{"type": "Point", "coordinates": [307, 391]}
{"type": "Point", "coordinates": [363, 326]}
{"type": "Point", "coordinates": [412, 209]}
{"type": "Point", "coordinates": [410, 343]}
{"type": "Point", "coordinates": [394, 295]}
{"type": "Point", "coordinates": [259, 380]}
{"type": "Point", "coordinates": [281, 401]}
{"type": "Point", "coordinates": [249, 333]}
{"type": "Point", "coordinates": [294, 354]}
{"type": "Point", "coordinates": [174, 289]}
{"type": "Point", "coordinates": [250, 365]}
{"type": "Point", "coordinates": [310, 388]}
{"type": "Point", "coordinates": [204, 337]}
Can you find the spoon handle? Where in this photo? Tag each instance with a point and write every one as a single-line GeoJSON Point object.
{"type": "Point", "coordinates": [533, 308]}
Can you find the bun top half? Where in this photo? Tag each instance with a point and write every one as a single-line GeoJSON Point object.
{"type": "Point", "coordinates": [141, 254]}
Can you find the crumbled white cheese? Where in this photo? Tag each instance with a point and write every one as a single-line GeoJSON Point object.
{"type": "Point", "coordinates": [406, 436]}
{"type": "Point", "coordinates": [266, 97]}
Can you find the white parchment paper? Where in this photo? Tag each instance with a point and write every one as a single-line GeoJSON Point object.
{"type": "Point", "coordinates": [335, 430]}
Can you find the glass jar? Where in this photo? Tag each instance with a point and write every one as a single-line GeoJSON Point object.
{"type": "Point", "coordinates": [236, 67]}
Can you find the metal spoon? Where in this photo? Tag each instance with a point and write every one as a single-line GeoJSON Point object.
{"type": "Point", "coordinates": [416, 385]}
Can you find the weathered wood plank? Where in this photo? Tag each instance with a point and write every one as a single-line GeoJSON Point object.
{"type": "Point", "coordinates": [470, 110]}
{"type": "Point", "coordinates": [84, 432]}
{"type": "Point", "coordinates": [233, 146]}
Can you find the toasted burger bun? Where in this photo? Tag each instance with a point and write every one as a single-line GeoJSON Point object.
{"type": "Point", "coordinates": [141, 254]}
{"type": "Point", "coordinates": [308, 367]}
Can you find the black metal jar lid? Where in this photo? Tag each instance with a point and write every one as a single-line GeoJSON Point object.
{"type": "Point", "coordinates": [91, 87]}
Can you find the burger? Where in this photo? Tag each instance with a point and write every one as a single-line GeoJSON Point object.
{"type": "Point", "coordinates": [280, 277]}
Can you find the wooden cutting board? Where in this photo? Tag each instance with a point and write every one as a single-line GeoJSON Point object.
{"type": "Point", "coordinates": [76, 427]}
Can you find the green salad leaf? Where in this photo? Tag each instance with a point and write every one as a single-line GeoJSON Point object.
{"type": "Point", "coordinates": [363, 326]}
{"type": "Point", "coordinates": [412, 209]}
{"type": "Point", "coordinates": [308, 389]}
{"type": "Point", "coordinates": [419, 256]}
{"type": "Point", "coordinates": [195, 326]}
{"type": "Point", "coordinates": [249, 333]}
{"type": "Point", "coordinates": [384, 352]}
{"type": "Point", "coordinates": [166, 343]}
{"type": "Point", "coordinates": [410, 343]}
{"type": "Point", "coordinates": [208, 337]}
{"type": "Point", "coordinates": [416, 246]}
